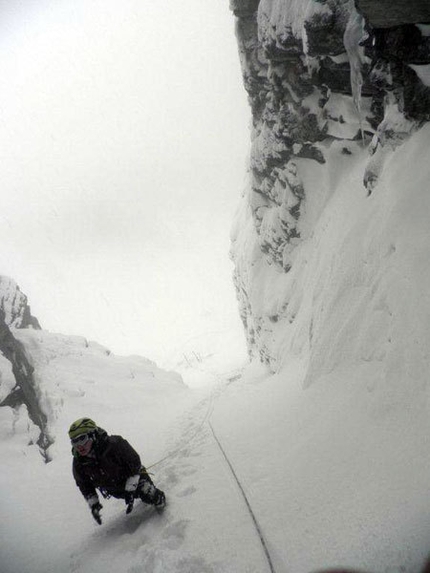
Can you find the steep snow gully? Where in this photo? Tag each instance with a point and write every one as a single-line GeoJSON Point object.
{"type": "Point", "coordinates": [224, 536]}
{"type": "Point", "coordinates": [261, 472]}
{"type": "Point", "coordinates": [254, 493]}
{"type": "Point", "coordinates": [199, 440]}
{"type": "Point", "coordinates": [319, 456]}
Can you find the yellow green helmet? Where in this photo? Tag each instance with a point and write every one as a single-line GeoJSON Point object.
{"type": "Point", "coordinates": [82, 426]}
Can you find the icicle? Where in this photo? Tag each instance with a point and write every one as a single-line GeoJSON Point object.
{"type": "Point", "coordinates": [354, 33]}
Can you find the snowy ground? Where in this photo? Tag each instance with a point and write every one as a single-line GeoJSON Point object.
{"type": "Point", "coordinates": [330, 477]}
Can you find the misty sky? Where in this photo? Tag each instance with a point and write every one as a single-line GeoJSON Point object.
{"type": "Point", "coordinates": [124, 136]}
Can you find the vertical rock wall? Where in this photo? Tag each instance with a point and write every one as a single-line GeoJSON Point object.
{"type": "Point", "coordinates": [320, 75]}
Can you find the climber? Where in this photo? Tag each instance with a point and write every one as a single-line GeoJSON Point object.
{"type": "Point", "coordinates": [111, 465]}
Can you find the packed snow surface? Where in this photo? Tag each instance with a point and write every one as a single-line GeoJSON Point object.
{"type": "Point", "coordinates": [331, 475]}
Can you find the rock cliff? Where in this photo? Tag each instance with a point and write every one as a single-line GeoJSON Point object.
{"type": "Point", "coordinates": [17, 386]}
{"type": "Point", "coordinates": [14, 304]}
{"type": "Point", "coordinates": [326, 80]}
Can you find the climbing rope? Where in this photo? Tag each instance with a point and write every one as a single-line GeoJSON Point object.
{"type": "Point", "coordinates": [196, 433]}
{"type": "Point", "coordinates": [199, 428]}
{"type": "Point", "coordinates": [248, 505]}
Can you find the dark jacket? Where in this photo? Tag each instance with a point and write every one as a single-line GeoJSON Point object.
{"type": "Point", "coordinates": [111, 462]}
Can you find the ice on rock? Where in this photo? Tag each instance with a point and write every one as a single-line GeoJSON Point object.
{"type": "Point", "coordinates": [354, 34]}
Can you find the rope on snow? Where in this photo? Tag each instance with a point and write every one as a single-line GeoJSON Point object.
{"type": "Point", "coordinates": [248, 505]}
{"type": "Point", "coordinates": [206, 418]}
{"type": "Point", "coordinates": [196, 433]}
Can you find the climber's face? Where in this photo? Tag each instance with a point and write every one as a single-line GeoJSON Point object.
{"type": "Point", "coordinates": [83, 444]}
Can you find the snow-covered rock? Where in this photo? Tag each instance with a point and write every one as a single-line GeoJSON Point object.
{"type": "Point", "coordinates": [330, 453]}
{"type": "Point", "coordinates": [17, 385]}
{"type": "Point", "coordinates": [331, 95]}
{"type": "Point", "coordinates": [40, 371]}
{"type": "Point", "coordinates": [14, 304]}
{"type": "Point", "coordinates": [67, 371]}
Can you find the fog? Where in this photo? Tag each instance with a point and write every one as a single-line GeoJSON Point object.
{"type": "Point", "coordinates": [124, 139]}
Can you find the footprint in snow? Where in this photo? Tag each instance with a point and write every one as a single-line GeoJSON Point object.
{"type": "Point", "coordinates": [174, 534]}
{"type": "Point", "coordinates": [187, 491]}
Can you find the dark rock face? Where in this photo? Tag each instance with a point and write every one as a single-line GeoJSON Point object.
{"type": "Point", "coordinates": [391, 13]}
{"type": "Point", "coordinates": [391, 52]}
{"type": "Point", "coordinates": [318, 73]}
{"type": "Point", "coordinates": [243, 7]}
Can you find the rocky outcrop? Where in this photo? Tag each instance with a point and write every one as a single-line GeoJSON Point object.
{"type": "Point", "coordinates": [14, 304]}
{"type": "Point", "coordinates": [321, 75]}
{"type": "Point", "coordinates": [25, 390]}
{"type": "Point", "coordinates": [391, 13]}
{"type": "Point", "coordinates": [243, 8]}
{"type": "Point", "coordinates": [15, 314]}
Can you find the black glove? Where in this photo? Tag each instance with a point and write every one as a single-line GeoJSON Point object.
{"type": "Point", "coordinates": [95, 510]}
{"type": "Point", "coordinates": [129, 501]}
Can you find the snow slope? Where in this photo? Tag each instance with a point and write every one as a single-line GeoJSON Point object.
{"type": "Point", "coordinates": [46, 525]}
{"type": "Point", "coordinates": [341, 430]}
{"type": "Point", "coordinates": [332, 477]}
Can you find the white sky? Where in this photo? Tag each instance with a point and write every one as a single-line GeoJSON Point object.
{"type": "Point", "coordinates": [124, 135]}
